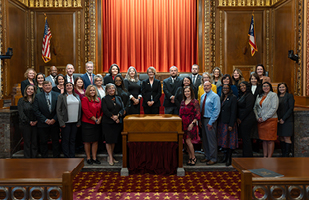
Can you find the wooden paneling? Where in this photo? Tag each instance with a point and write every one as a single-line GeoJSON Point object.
{"type": "Point", "coordinates": [232, 48]}
{"type": "Point", "coordinates": [284, 40]}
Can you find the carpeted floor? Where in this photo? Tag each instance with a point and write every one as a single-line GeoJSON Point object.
{"type": "Point", "coordinates": [195, 185]}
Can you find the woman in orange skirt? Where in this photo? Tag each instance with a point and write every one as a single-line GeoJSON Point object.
{"type": "Point", "coordinates": [265, 110]}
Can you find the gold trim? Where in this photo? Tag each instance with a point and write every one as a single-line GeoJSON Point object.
{"type": "Point", "coordinates": [92, 16]}
{"type": "Point", "coordinates": [207, 36]}
{"type": "Point", "coordinates": [86, 32]}
{"type": "Point", "coordinates": [255, 3]}
{"type": "Point", "coordinates": [5, 64]}
{"type": "Point", "coordinates": [1, 47]}
{"type": "Point", "coordinates": [220, 40]}
{"type": "Point", "coordinates": [267, 40]}
{"type": "Point", "coordinates": [307, 50]}
{"type": "Point", "coordinates": [299, 89]}
{"type": "Point", "coordinates": [32, 37]}
{"type": "Point", "coordinates": [252, 67]}
{"type": "Point", "coordinates": [52, 3]}
{"type": "Point", "coordinates": [79, 41]}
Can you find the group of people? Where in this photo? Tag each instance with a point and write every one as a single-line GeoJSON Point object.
{"type": "Point", "coordinates": [217, 107]}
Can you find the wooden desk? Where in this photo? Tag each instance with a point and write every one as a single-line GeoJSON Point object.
{"type": "Point", "coordinates": [42, 175]}
{"type": "Point", "coordinates": [295, 171]}
{"type": "Point", "coordinates": [152, 128]}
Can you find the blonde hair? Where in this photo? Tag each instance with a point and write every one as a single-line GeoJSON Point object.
{"type": "Point", "coordinates": [27, 72]}
{"type": "Point", "coordinates": [152, 69]}
{"type": "Point", "coordinates": [207, 74]}
{"type": "Point", "coordinates": [87, 94]}
{"type": "Point", "coordinates": [241, 78]}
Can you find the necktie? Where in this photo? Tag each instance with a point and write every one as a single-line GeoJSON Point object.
{"type": "Point", "coordinates": [194, 79]}
{"type": "Point", "coordinates": [71, 79]}
{"type": "Point", "coordinates": [203, 105]}
{"type": "Point", "coordinates": [48, 102]}
{"type": "Point", "coordinates": [90, 78]}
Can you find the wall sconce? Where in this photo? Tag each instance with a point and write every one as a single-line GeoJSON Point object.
{"type": "Point", "coordinates": [293, 56]}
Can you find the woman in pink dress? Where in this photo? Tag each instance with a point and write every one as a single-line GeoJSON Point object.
{"type": "Point", "coordinates": [190, 115]}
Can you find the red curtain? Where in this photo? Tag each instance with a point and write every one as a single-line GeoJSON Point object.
{"type": "Point", "coordinates": [144, 33]}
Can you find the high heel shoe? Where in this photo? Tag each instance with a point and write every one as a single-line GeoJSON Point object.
{"type": "Point", "coordinates": [193, 161]}
{"type": "Point", "coordinates": [189, 162]}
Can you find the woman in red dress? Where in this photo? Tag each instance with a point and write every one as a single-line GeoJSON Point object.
{"type": "Point", "coordinates": [190, 115]}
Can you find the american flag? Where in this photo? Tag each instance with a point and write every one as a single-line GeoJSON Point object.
{"type": "Point", "coordinates": [251, 35]}
{"type": "Point", "coordinates": [46, 43]}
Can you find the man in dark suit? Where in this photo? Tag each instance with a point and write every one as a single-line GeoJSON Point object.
{"type": "Point", "coordinates": [70, 70]}
{"type": "Point", "coordinates": [88, 77]}
{"type": "Point", "coordinates": [170, 86]}
{"type": "Point", "coordinates": [45, 104]}
{"type": "Point", "coordinates": [53, 75]}
{"type": "Point", "coordinates": [196, 78]}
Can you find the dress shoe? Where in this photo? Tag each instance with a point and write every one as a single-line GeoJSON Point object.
{"type": "Point", "coordinates": [96, 161]}
{"type": "Point", "coordinates": [89, 162]}
{"type": "Point", "coordinates": [211, 162]}
{"type": "Point", "coordinates": [205, 160]}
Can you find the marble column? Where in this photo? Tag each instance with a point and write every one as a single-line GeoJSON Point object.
{"type": "Point", "coordinates": [301, 132]}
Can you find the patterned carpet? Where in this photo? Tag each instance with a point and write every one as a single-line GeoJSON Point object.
{"type": "Point", "coordinates": [195, 185]}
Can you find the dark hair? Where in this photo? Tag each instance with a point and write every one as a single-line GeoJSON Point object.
{"type": "Point", "coordinates": [56, 82]}
{"type": "Point", "coordinates": [189, 80]}
{"type": "Point", "coordinates": [36, 78]}
{"type": "Point", "coordinates": [79, 78]}
{"type": "Point", "coordinates": [261, 93]}
{"type": "Point", "coordinates": [287, 89]}
{"type": "Point", "coordinates": [191, 90]}
{"type": "Point", "coordinates": [122, 84]}
{"type": "Point", "coordinates": [110, 69]}
{"type": "Point", "coordinates": [25, 93]}
{"type": "Point", "coordinates": [257, 78]}
{"type": "Point", "coordinates": [260, 65]}
{"type": "Point", "coordinates": [225, 76]}
{"type": "Point", "coordinates": [248, 88]}
{"type": "Point", "coordinates": [65, 91]}
{"type": "Point", "coordinates": [230, 92]}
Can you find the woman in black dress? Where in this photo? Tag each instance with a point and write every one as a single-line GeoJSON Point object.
{"type": "Point", "coordinates": [122, 92]}
{"type": "Point", "coordinates": [133, 85]}
{"type": "Point", "coordinates": [60, 81]}
{"type": "Point", "coordinates": [30, 79]}
{"type": "Point", "coordinates": [186, 81]}
{"type": "Point", "coordinates": [39, 79]}
{"type": "Point", "coordinates": [285, 117]}
{"type": "Point", "coordinates": [113, 109]}
{"type": "Point", "coordinates": [151, 92]}
{"type": "Point", "coordinates": [112, 72]}
{"type": "Point", "coordinates": [28, 122]}
{"type": "Point", "coordinates": [245, 117]}
{"type": "Point", "coordinates": [255, 84]}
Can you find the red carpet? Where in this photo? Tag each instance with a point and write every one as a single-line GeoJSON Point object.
{"type": "Point", "coordinates": [195, 185]}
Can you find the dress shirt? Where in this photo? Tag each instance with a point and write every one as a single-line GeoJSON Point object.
{"type": "Point", "coordinates": [69, 79]}
{"type": "Point", "coordinates": [212, 106]}
{"type": "Point", "coordinates": [90, 78]}
{"type": "Point", "coordinates": [253, 88]}
{"type": "Point", "coordinates": [49, 97]}
{"type": "Point", "coordinates": [73, 106]}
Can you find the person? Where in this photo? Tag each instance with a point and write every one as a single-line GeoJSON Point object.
{"type": "Point", "coordinates": [91, 120]}
{"type": "Point", "coordinates": [98, 81]}
{"type": "Point", "coordinates": [206, 77]}
{"type": "Point", "coordinates": [170, 86]}
{"type": "Point", "coordinates": [44, 107]}
{"type": "Point", "coordinates": [227, 126]}
{"type": "Point", "coordinates": [53, 75]}
{"type": "Point", "coordinates": [69, 118]}
{"type": "Point", "coordinates": [265, 110]}
{"type": "Point", "coordinates": [112, 72]}
{"type": "Point", "coordinates": [237, 77]}
{"type": "Point", "coordinates": [70, 77]}
{"type": "Point", "coordinates": [122, 92]}
{"type": "Point", "coordinates": [285, 116]}
{"type": "Point", "coordinates": [133, 86]}
{"type": "Point", "coordinates": [216, 76]}
{"type": "Point", "coordinates": [255, 84]}
{"type": "Point", "coordinates": [151, 92]}
{"type": "Point", "coordinates": [261, 72]}
{"type": "Point", "coordinates": [226, 79]}
{"type": "Point", "coordinates": [88, 77]}
{"type": "Point", "coordinates": [196, 78]}
{"type": "Point", "coordinates": [39, 79]}
{"type": "Point", "coordinates": [28, 122]}
{"type": "Point", "coordinates": [113, 109]}
{"type": "Point", "coordinates": [60, 81]}
{"type": "Point", "coordinates": [190, 114]}
{"type": "Point", "coordinates": [79, 87]}
{"type": "Point", "coordinates": [186, 81]}
{"type": "Point", "coordinates": [245, 118]}
{"type": "Point", "coordinates": [210, 110]}
{"type": "Point", "coordinates": [30, 75]}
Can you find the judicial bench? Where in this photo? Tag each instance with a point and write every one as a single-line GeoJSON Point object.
{"type": "Point", "coordinates": [148, 130]}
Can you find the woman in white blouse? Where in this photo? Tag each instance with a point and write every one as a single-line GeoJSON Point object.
{"type": "Point", "coordinates": [98, 81]}
{"type": "Point", "coordinates": [69, 117]}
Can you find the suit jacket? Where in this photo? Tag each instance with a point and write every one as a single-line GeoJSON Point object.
{"type": "Point", "coordinates": [228, 114]}
{"type": "Point", "coordinates": [197, 83]}
{"type": "Point", "coordinates": [269, 107]}
{"type": "Point", "coordinates": [155, 91]}
{"type": "Point", "coordinates": [86, 79]}
{"type": "Point", "coordinates": [24, 84]}
{"type": "Point", "coordinates": [41, 109]}
{"type": "Point", "coordinates": [257, 90]}
{"type": "Point", "coordinates": [108, 79]}
{"type": "Point", "coordinates": [245, 107]}
{"type": "Point", "coordinates": [74, 77]}
{"type": "Point", "coordinates": [62, 110]}
{"type": "Point", "coordinates": [50, 79]}
{"type": "Point", "coordinates": [169, 89]}
{"type": "Point", "coordinates": [109, 108]}
{"type": "Point", "coordinates": [286, 107]}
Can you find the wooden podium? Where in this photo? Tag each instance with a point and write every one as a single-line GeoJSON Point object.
{"type": "Point", "coordinates": [152, 128]}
